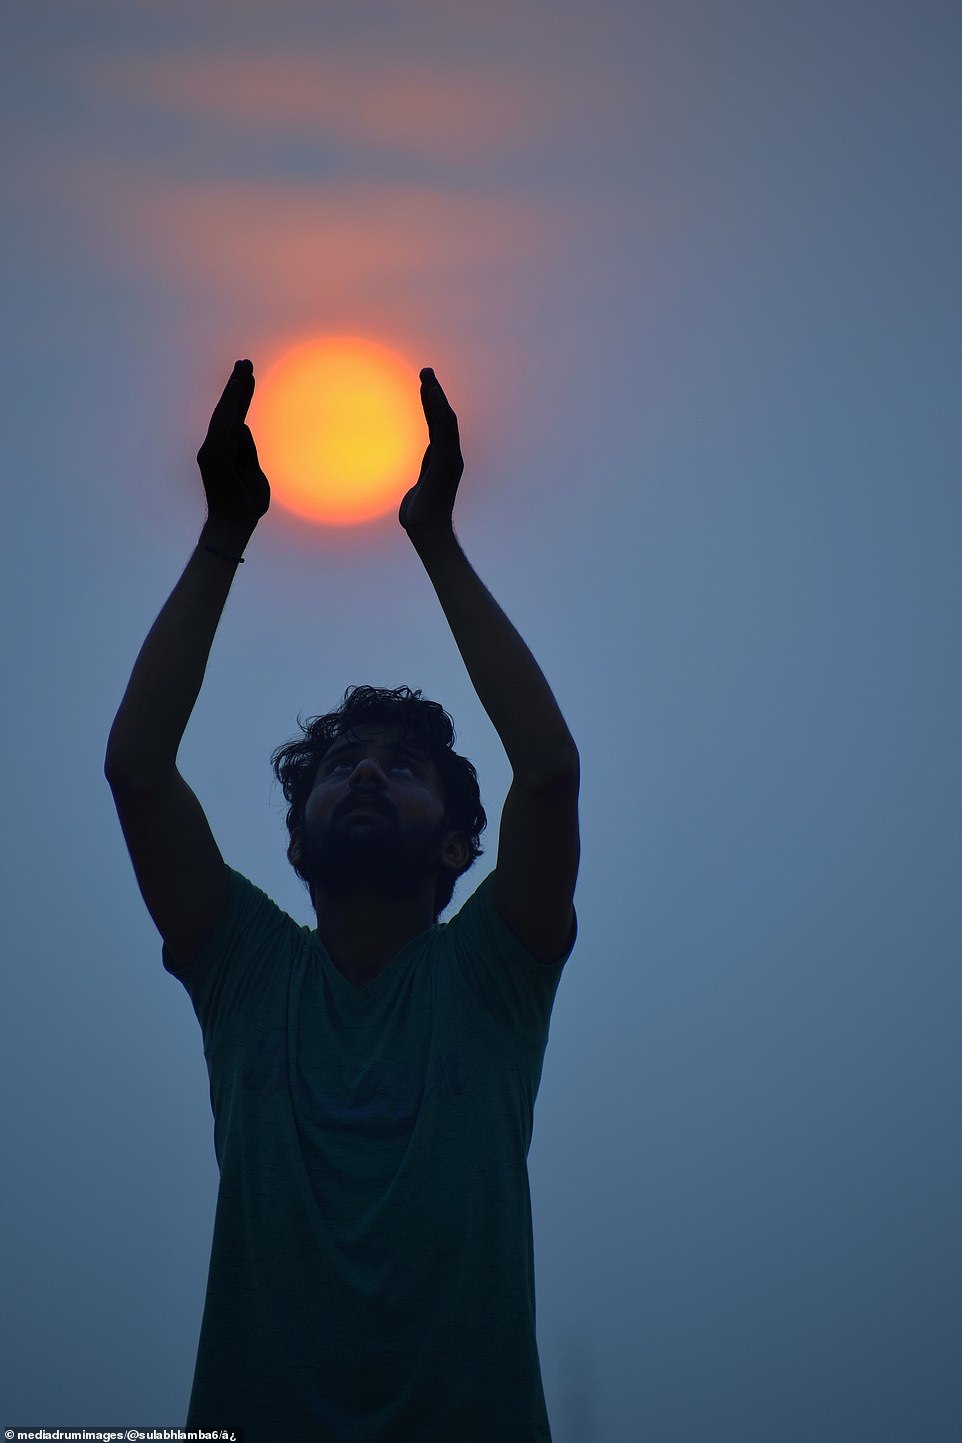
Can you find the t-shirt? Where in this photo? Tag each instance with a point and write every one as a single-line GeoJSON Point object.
{"type": "Point", "coordinates": [371, 1274]}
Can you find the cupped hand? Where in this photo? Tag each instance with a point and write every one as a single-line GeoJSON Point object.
{"type": "Point", "coordinates": [236, 487]}
{"type": "Point", "coordinates": [429, 505]}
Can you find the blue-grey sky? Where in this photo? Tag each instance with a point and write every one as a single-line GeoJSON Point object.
{"type": "Point", "coordinates": [689, 273]}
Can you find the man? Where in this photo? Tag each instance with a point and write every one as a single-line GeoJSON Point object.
{"type": "Point", "coordinates": [372, 1080]}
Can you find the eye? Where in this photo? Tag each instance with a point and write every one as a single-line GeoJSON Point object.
{"type": "Point", "coordinates": [349, 762]}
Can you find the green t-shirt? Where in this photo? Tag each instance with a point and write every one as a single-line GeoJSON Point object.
{"type": "Point", "coordinates": [371, 1275]}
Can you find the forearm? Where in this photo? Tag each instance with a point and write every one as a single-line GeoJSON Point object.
{"type": "Point", "coordinates": [169, 671]}
{"type": "Point", "coordinates": [509, 682]}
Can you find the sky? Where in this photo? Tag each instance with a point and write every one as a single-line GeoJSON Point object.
{"type": "Point", "coordinates": [689, 273]}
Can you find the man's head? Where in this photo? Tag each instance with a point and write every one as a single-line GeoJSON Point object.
{"type": "Point", "coordinates": [392, 752]}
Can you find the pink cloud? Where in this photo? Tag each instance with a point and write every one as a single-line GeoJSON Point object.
{"type": "Point", "coordinates": [292, 239]}
{"type": "Point", "coordinates": [455, 113]}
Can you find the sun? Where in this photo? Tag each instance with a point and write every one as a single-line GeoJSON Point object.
{"type": "Point", "coordinates": [339, 429]}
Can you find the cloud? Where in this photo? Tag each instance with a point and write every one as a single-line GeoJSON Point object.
{"type": "Point", "coordinates": [293, 240]}
{"type": "Point", "coordinates": [176, 175]}
{"type": "Point", "coordinates": [457, 112]}
{"type": "Point", "coordinates": [346, 171]}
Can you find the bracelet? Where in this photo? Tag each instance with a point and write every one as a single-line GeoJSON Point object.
{"type": "Point", "coordinates": [222, 553]}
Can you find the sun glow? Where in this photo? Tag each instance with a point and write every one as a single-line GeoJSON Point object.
{"type": "Point", "coordinates": [339, 429]}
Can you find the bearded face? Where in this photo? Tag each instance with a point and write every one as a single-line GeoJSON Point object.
{"type": "Point", "coordinates": [374, 821]}
{"type": "Point", "coordinates": [367, 850]}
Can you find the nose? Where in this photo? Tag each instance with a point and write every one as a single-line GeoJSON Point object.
{"type": "Point", "coordinates": [367, 769]}
{"type": "Point", "coordinates": [367, 783]}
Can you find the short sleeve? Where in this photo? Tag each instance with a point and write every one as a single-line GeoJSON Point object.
{"type": "Point", "coordinates": [242, 955]}
{"type": "Point", "coordinates": [498, 970]}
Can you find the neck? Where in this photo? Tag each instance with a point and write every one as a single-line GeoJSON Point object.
{"type": "Point", "coordinates": [363, 930]}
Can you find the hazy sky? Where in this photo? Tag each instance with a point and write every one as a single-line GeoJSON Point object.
{"type": "Point", "coordinates": [689, 273]}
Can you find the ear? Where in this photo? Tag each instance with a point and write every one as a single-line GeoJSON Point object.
{"type": "Point", "coordinates": [456, 850]}
{"type": "Point", "coordinates": [294, 847]}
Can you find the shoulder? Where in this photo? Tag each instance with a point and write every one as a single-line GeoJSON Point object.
{"type": "Point", "coordinates": [495, 973]}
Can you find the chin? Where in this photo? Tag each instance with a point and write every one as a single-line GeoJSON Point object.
{"type": "Point", "coordinates": [376, 857]}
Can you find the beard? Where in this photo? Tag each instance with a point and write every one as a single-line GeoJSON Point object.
{"type": "Point", "coordinates": [374, 856]}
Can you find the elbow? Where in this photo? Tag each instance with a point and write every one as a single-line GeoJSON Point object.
{"type": "Point", "coordinates": [553, 768]}
{"type": "Point", "coordinates": [137, 775]}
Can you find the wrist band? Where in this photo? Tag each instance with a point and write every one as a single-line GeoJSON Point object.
{"type": "Point", "coordinates": [222, 553]}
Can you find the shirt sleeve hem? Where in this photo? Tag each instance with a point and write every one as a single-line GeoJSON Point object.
{"type": "Point", "coordinates": [511, 944]}
{"type": "Point", "coordinates": [211, 946]}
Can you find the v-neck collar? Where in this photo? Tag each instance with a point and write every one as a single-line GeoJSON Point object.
{"type": "Point", "coordinates": [346, 988]}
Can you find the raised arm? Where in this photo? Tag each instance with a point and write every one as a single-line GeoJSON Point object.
{"type": "Point", "coordinates": [539, 847]}
{"type": "Point", "coordinates": [177, 863]}
{"type": "Point", "coordinates": [167, 676]}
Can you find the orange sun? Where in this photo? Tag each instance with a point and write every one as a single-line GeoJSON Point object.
{"type": "Point", "coordinates": [339, 429]}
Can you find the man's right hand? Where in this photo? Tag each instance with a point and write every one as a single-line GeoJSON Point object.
{"type": "Point", "coordinates": [237, 489]}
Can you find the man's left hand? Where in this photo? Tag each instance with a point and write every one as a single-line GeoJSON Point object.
{"type": "Point", "coordinates": [429, 505]}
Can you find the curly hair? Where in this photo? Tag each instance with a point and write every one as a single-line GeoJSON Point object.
{"type": "Point", "coordinates": [423, 723]}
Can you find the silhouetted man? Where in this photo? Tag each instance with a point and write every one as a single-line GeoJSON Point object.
{"type": "Point", "coordinates": [373, 1079]}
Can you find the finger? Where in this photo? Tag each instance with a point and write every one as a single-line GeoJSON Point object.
{"type": "Point", "coordinates": [427, 377]}
{"type": "Point", "coordinates": [245, 388]}
{"type": "Point", "coordinates": [235, 399]}
{"type": "Point", "coordinates": [247, 447]}
{"type": "Point", "coordinates": [435, 404]}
